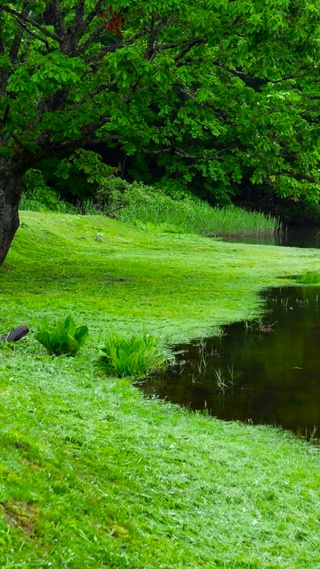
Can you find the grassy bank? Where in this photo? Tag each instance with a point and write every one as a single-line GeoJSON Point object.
{"type": "Point", "coordinates": [149, 208]}
{"type": "Point", "coordinates": [93, 475]}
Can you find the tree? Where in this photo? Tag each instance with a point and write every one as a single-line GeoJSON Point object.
{"type": "Point", "coordinates": [214, 91]}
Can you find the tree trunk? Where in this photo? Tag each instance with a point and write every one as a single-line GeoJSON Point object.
{"type": "Point", "coordinates": [11, 178]}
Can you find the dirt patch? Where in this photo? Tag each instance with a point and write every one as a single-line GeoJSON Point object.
{"type": "Point", "coordinates": [20, 515]}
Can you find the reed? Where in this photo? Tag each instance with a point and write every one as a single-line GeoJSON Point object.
{"type": "Point", "coordinates": [309, 278]}
{"type": "Point", "coordinates": [146, 207]}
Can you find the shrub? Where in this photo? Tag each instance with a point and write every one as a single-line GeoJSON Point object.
{"type": "Point", "coordinates": [38, 196]}
{"type": "Point", "coordinates": [112, 193]}
{"type": "Point", "coordinates": [136, 356]}
{"type": "Point", "coordinates": [62, 337]}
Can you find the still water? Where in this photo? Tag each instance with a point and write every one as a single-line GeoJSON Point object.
{"type": "Point", "coordinates": [293, 236]}
{"type": "Point", "coordinates": [264, 371]}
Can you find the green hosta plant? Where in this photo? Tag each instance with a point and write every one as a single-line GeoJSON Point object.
{"type": "Point", "coordinates": [62, 337]}
{"type": "Point", "coordinates": [130, 357]}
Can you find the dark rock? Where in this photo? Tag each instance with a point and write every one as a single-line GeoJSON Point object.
{"type": "Point", "coordinates": [16, 334]}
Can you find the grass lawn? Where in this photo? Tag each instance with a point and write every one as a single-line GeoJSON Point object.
{"type": "Point", "coordinates": [91, 474]}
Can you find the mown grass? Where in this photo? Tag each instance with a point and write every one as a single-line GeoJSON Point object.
{"type": "Point", "coordinates": [93, 475]}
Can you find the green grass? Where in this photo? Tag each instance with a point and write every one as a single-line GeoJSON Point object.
{"type": "Point", "coordinates": [153, 210]}
{"type": "Point", "coordinates": [309, 278]}
{"type": "Point", "coordinates": [91, 474]}
{"type": "Point", "coordinates": [150, 208]}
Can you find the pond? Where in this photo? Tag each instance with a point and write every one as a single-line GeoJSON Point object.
{"type": "Point", "coordinates": [265, 371]}
{"type": "Point", "coordinates": [293, 236]}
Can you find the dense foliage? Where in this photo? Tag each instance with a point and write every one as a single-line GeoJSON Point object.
{"type": "Point", "coordinates": [201, 95]}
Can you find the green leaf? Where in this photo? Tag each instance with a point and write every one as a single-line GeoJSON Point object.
{"type": "Point", "coordinates": [62, 337]}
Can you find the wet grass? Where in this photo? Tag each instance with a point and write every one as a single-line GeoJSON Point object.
{"type": "Point", "coordinates": [93, 475]}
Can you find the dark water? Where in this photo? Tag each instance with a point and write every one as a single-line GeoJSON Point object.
{"type": "Point", "coordinates": [263, 371]}
{"type": "Point", "coordinates": [294, 236]}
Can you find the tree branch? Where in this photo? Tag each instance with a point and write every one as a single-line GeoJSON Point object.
{"type": "Point", "coordinates": [16, 42]}
{"type": "Point", "coordinates": [55, 15]}
{"type": "Point", "coordinates": [83, 48]}
{"type": "Point", "coordinates": [92, 94]}
{"type": "Point", "coordinates": [34, 34]}
{"type": "Point", "coordinates": [257, 82]}
{"type": "Point", "coordinates": [96, 10]}
{"type": "Point", "coordinates": [77, 26]}
{"type": "Point", "coordinates": [2, 46]}
{"type": "Point", "coordinates": [104, 139]}
{"type": "Point", "coordinates": [28, 19]}
{"type": "Point", "coordinates": [155, 30]}
{"type": "Point", "coordinates": [47, 147]}
{"type": "Point", "coordinates": [183, 154]}
{"type": "Point", "coordinates": [295, 75]}
{"type": "Point", "coordinates": [208, 107]}
{"type": "Point", "coordinates": [3, 72]}
{"type": "Point", "coordinates": [115, 47]}
{"type": "Point", "coordinates": [198, 41]}
{"type": "Point", "coordinates": [189, 44]}
{"type": "Point", "coordinates": [26, 49]}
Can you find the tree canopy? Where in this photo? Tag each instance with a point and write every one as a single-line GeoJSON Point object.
{"type": "Point", "coordinates": [212, 92]}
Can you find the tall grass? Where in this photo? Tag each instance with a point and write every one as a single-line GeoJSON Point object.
{"type": "Point", "coordinates": [309, 278]}
{"type": "Point", "coordinates": [150, 207]}
{"type": "Point", "coordinates": [146, 206]}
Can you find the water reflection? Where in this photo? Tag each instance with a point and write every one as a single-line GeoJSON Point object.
{"type": "Point", "coordinates": [265, 371]}
{"type": "Point", "coordinates": [294, 236]}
